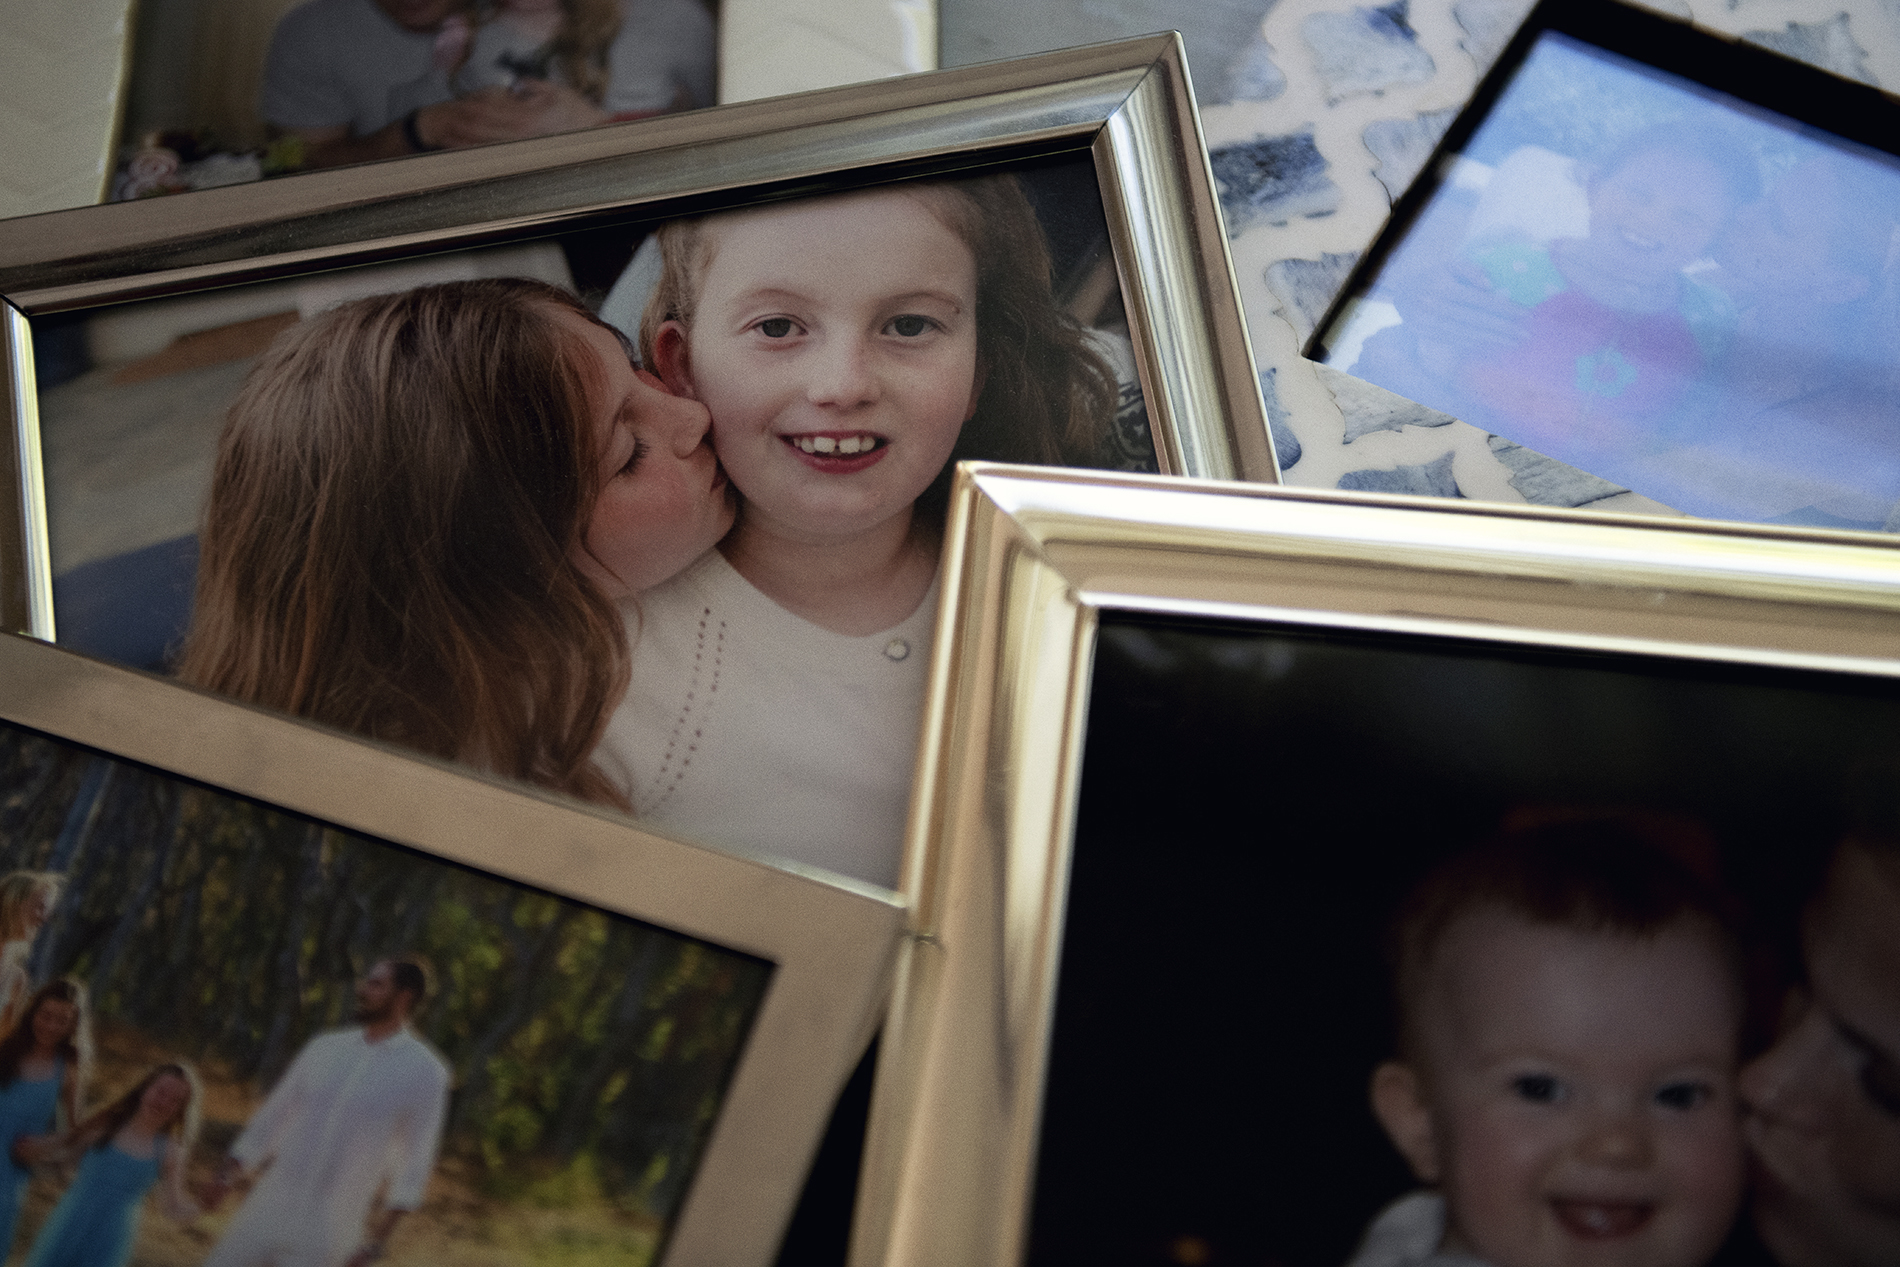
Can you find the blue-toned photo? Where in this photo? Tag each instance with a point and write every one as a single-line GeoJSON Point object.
{"type": "Point", "coordinates": [1655, 282]}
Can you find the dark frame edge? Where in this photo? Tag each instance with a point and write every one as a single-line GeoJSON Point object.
{"type": "Point", "coordinates": [1672, 45]}
{"type": "Point", "coordinates": [25, 593]}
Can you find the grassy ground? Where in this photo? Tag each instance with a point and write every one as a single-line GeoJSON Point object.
{"type": "Point", "coordinates": [458, 1225]}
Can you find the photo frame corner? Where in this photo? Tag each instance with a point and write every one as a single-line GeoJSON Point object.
{"type": "Point", "coordinates": [1043, 557]}
{"type": "Point", "coordinates": [829, 946]}
{"type": "Point", "coordinates": [1192, 357]}
{"type": "Point", "coordinates": [1201, 392]}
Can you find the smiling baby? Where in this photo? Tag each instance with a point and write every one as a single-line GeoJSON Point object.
{"type": "Point", "coordinates": [1569, 1006]}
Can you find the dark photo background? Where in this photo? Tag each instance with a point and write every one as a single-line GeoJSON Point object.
{"type": "Point", "coordinates": [1256, 799]}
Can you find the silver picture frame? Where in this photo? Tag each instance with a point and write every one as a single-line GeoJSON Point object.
{"type": "Point", "coordinates": [66, 76]}
{"type": "Point", "coordinates": [1302, 272]}
{"type": "Point", "coordinates": [1036, 560]}
{"type": "Point", "coordinates": [1127, 105]}
{"type": "Point", "coordinates": [831, 941]}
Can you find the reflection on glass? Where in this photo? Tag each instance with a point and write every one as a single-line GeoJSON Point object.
{"type": "Point", "coordinates": [1659, 284]}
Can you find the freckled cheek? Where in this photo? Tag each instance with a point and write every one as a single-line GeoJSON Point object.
{"type": "Point", "coordinates": [945, 395]}
{"type": "Point", "coordinates": [741, 391]}
{"type": "Point", "coordinates": [739, 414]}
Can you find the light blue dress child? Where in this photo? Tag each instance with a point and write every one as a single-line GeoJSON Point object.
{"type": "Point", "coordinates": [93, 1224]}
{"type": "Point", "coordinates": [26, 1108]}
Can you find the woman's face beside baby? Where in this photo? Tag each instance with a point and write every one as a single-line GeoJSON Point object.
{"type": "Point", "coordinates": [1580, 1092]}
{"type": "Point", "coordinates": [835, 343]}
{"type": "Point", "coordinates": [663, 500]}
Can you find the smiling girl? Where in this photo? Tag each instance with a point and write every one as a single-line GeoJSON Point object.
{"type": "Point", "coordinates": [850, 349]}
{"type": "Point", "coordinates": [423, 509]}
{"type": "Point", "coordinates": [141, 1139]}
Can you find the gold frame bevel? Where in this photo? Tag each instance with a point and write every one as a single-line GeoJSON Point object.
{"type": "Point", "coordinates": [1129, 104]}
{"type": "Point", "coordinates": [1033, 557]}
{"type": "Point", "coordinates": [833, 939]}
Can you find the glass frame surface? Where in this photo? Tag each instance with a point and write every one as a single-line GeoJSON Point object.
{"type": "Point", "coordinates": [1291, 351]}
{"type": "Point", "coordinates": [1033, 561]}
{"type": "Point", "coordinates": [73, 67]}
{"type": "Point", "coordinates": [1126, 104]}
{"type": "Point", "coordinates": [831, 941]}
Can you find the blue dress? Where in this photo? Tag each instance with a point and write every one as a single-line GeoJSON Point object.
{"type": "Point", "coordinates": [26, 1108]}
{"type": "Point", "coordinates": [93, 1224]}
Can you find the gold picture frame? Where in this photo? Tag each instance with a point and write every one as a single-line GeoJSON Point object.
{"type": "Point", "coordinates": [1037, 561]}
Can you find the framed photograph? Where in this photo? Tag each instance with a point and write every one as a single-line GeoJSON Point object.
{"type": "Point", "coordinates": [1141, 1027]}
{"type": "Point", "coordinates": [594, 1036]}
{"type": "Point", "coordinates": [1691, 293]}
{"type": "Point", "coordinates": [1085, 315]}
{"type": "Point", "coordinates": [99, 82]}
{"type": "Point", "coordinates": [227, 92]}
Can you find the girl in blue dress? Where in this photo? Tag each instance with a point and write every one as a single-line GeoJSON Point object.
{"type": "Point", "coordinates": [43, 1062]}
{"type": "Point", "coordinates": [142, 1138]}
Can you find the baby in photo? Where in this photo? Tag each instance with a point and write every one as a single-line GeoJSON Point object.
{"type": "Point", "coordinates": [1569, 1005]}
{"type": "Point", "coordinates": [1576, 346]}
{"type": "Point", "coordinates": [850, 348]}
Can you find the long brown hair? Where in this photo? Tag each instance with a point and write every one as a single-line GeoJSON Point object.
{"type": "Point", "coordinates": [387, 545]}
{"type": "Point", "coordinates": [75, 1050]}
{"type": "Point", "coordinates": [110, 1120]}
{"type": "Point", "coordinates": [1047, 398]}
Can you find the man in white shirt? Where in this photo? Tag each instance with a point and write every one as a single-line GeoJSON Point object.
{"type": "Point", "coordinates": [359, 1111]}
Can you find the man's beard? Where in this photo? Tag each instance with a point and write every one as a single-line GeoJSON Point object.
{"type": "Point", "coordinates": [369, 1014]}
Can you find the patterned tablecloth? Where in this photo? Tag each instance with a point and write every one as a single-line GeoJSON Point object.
{"type": "Point", "coordinates": [1318, 113]}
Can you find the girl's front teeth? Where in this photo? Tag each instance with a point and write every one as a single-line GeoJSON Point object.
{"type": "Point", "coordinates": [826, 444]}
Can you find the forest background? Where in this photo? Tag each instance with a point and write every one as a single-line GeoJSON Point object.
{"type": "Point", "coordinates": [589, 1051]}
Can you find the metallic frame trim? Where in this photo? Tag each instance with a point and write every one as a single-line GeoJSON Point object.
{"type": "Point", "coordinates": [1656, 36]}
{"type": "Point", "coordinates": [1129, 103]}
{"type": "Point", "coordinates": [29, 586]}
{"type": "Point", "coordinates": [832, 939]}
{"type": "Point", "coordinates": [1031, 561]}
